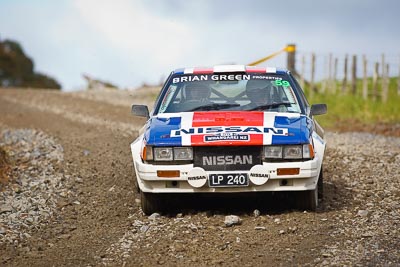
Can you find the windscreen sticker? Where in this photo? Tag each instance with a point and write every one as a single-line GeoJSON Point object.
{"type": "Point", "coordinates": [264, 77]}
{"type": "Point", "coordinates": [282, 83]}
{"type": "Point", "coordinates": [214, 77]}
{"type": "Point", "coordinates": [167, 98]}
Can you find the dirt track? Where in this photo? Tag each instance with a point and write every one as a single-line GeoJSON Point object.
{"type": "Point", "coordinates": [100, 222]}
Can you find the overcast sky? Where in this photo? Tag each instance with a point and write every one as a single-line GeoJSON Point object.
{"type": "Point", "coordinates": [128, 42]}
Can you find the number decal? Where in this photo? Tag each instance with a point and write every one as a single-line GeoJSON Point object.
{"type": "Point", "coordinates": [236, 180]}
{"type": "Point", "coordinates": [230, 179]}
{"type": "Point", "coordinates": [282, 83]}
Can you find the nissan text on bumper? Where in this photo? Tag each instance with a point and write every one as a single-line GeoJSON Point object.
{"type": "Point", "coordinates": [229, 129]}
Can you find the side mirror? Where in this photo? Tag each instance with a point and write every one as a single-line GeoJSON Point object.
{"type": "Point", "coordinates": [318, 109]}
{"type": "Point", "coordinates": [140, 110]}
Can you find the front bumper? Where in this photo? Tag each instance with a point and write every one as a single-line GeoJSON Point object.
{"type": "Point", "coordinates": [307, 178]}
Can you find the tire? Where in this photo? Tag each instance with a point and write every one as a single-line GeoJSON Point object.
{"type": "Point", "coordinates": [321, 185]}
{"type": "Point", "coordinates": [150, 203]}
{"type": "Point", "coordinates": [136, 185]}
{"type": "Point", "coordinates": [308, 200]}
{"type": "Point", "coordinates": [135, 182]}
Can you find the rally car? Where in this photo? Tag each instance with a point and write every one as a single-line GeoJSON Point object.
{"type": "Point", "coordinates": [229, 129]}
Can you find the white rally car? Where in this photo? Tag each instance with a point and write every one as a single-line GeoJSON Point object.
{"type": "Point", "coordinates": [229, 129]}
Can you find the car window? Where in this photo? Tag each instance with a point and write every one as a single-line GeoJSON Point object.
{"type": "Point", "coordinates": [234, 92]}
{"type": "Point", "coordinates": [169, 95]}
{"type": "Point", "coordinates": [300, 92]}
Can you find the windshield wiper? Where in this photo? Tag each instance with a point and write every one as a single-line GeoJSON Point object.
{"type": "Point", "coordinates": [262, 107]}
{"type": "Point", "coordinates": [215, 106]}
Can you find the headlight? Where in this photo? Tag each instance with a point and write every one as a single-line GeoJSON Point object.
{"type": "Point", "coordinates": [293, 152]}
{"type": "Point", "coordinates": [305, 151]}
{"type": "Point", "coordinates": [308, 151]}
{"type": "Point", "coordinates": [273, 152]}
{"type": "Point", "coordinates": [172, 153]}
{"type": "Point", "coordinates": [163, 153]}
{"type": "Point", "coordinates": [183, 153]}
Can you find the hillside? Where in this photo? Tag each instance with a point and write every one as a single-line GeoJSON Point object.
{"type": "Point", "coordinates": [17, 69]}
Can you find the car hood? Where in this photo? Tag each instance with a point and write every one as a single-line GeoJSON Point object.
{"type": "Point", "coordinates": [227, 128]}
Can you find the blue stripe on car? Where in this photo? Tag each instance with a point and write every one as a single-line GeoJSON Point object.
{"type": "Point", "coordinates": [298, 132]}
{"type": "Point", "coordinates": [159, 130]}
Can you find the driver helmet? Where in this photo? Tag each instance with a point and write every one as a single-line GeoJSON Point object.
{"type": "Point", "coordinates": [197, 92]}
{"type": "Point", "coordinates": [258, 91]}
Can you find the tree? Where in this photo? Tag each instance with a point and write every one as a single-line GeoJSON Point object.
{"type": "Point", "coordinates": [17, 69]}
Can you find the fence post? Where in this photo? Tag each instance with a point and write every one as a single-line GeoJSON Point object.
{"type": "Point", "coordinates": [365, 79]}
{"type": "Point", "coordinates": [375, 81]}
{"type": "Point", "coordinates": [382, 74]}
{"type": "Point", "coordinates": [312, 74]}
{"type": "Point", "coordinates": [383, 65]}
{"type": "Point", "coordinates": [387, 78]}
{"type": "Point", "coordinates": [324, 79]}
{"type": "Point", "coordinates": [291, 58]}
{"type": "Point", "coordinates": [344, 84]}
{"type": "Point", "coordinates": [330, 73]}
{"type": "Point", "coordinates": [303, 70]}
{"type": "Point", "coordinates": [335, 75]}
{"type": "Point", "coordinates": [385, 84]}
{"type": "Point", "coordinates": [398, 80]}
{"type": "Point", "coordinates": [354, 75]}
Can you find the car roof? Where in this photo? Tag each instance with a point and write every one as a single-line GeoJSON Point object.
{"type": "Point", "coordinates": [230, 69]}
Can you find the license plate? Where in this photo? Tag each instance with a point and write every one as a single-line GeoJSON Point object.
{"type": "Point", "coordinates": [228, 180]}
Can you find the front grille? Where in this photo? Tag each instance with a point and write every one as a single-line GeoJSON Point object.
{"type": "Point", "coordinates": [227, 158]}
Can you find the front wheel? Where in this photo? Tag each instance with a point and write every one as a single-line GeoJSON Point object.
{"type": "Point", "coordinates": [150, 203]}
{"type": "Point", "coordinates": [321, 185]}
{"type": "Point", "coordinates": [308, 200]}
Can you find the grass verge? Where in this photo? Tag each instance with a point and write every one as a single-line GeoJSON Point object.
{"type": "Point", "coordinates": [353, 109]}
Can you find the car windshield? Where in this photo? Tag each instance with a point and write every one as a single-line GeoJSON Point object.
{"type": "Point", "coordinates": [230, 92]}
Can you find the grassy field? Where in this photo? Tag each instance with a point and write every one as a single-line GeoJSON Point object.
{"type": "Point", "coordinates": [346, 107]}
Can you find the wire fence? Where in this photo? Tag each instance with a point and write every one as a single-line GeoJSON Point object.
{"type": "Point", "coordinates": [323, 60]}
{"type": "Point", "coordinates": [359, 74]}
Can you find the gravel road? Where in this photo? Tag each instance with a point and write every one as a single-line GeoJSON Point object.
{"type": "Point", "coordinates": [71, 199]}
